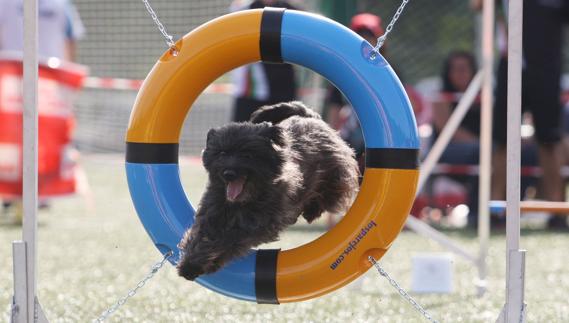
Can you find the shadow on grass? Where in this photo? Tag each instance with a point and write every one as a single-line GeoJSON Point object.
{"type": "Point", "coordinates": [429, 301]}
{"type": "Point", "coordinates": [10, 226]}
{"type": "Point", "coordinates": [463, 233]}
{"type": "Point", "coordinates": [304, 227]}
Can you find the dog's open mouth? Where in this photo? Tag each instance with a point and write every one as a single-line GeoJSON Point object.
{"type": "Point", "coordinates": [234, 189]}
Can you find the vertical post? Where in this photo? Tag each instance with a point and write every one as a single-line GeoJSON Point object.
{"type": "Point", "coordinates": [485, 141]}
{"type": "Point", "coordinates": [514, 276]}
{"type": "Point", "coordinates": [20, 302]}
{"type": "Point", "coordinates": [514, 123]}
{"type": "Point", "coordinates": [30, 152]}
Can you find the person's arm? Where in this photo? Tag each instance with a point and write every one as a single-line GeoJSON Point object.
{"type": "Point", "coordinates": [2, 20]}
{"type": "Point", "coordinates": [70, 50]}
{"type": "Point", "coordinates": [74, 31]}
{"type": "Point", "coordinates": [476, 4]}
{"type": "Point", "coordinates": [441, 114]}
{"type": "Point", "coordinates": [332, 116]}
{"type": "Point", "coordinates": [333, 104]}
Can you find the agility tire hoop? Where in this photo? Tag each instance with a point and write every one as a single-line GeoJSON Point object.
{"type": "Point", "coordinates": [345, 59]}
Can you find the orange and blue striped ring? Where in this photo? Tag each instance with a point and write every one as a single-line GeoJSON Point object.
{"type": "Point", "coordinates": [345, 59]}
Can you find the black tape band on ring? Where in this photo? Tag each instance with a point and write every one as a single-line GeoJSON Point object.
{"type": "Point", "coordinates": [266, 276]}
{"type": "Point", "coordinates": [394, 158]}
{"type": "Point", "coordinates": [146, 153]}
{"type": "Point", "coordinates": [270, 39]}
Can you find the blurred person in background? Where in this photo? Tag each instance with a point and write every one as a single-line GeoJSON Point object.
{"type": "Point", "coordinates": [458, 71]}
{"type": "Point", "coordinates": [59, 29]}
{"type": "Point", "coordinates": [339, 114]}
{"type": "Point", "coordinates": [261, 84]}
{"type": "Point", "coordinates": [543, 24]}
{"type": "Point", "coordinates": [337, 111]}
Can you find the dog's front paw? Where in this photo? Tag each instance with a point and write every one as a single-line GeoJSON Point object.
{"type": "Point", "coordinates": [190, 270]}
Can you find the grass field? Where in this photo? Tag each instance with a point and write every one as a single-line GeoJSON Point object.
{"type": "Point", "coordinates": [88, 258]}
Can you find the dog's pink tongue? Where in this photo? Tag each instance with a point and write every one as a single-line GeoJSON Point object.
{"type": "Point", "coordinates": [234, 188]}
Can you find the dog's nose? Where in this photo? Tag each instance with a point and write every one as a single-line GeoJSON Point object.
{"type": "Point", "coordinates": [229, 175]}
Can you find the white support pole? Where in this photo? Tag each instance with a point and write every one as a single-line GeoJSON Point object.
{"type": "Point", "coordinates": [19, 303]}
{"type": "Point", "coordinates": [516, 261]}
{"type": "Point", "coordinates": [30, 142]}
{"type": "Point", "coordinates": [20, 309]}
{"type": "Point", "coordinates": [514, 124]}
{"type": "Point", "coordinates": [515, 312]}
{"type": "Point", "coordinates": [26, 307]}
{"type": "Point", "coordinates": [515, 257]}
{"type": "Point", "coordinates": [30, 152]}
{"type": "Point", "coordinates": [485, 142]}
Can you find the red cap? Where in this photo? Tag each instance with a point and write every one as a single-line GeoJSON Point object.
{"type": "Point", "coordinates": [367, 21]}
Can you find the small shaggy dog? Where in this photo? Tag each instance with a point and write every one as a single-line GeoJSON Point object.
{"type": "Point", "coordinates": [263, 175]}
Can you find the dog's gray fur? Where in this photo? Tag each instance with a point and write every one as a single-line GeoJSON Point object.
{"type": "Point", "coordinates": [288, 163]}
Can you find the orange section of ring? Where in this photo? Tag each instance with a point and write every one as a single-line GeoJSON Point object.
{"type": "Point", "coordinates": [368, 229]}
{"type": "Point", "coordinates": [175, 82]}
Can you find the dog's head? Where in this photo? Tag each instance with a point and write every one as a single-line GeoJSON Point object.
{"type": "Point", "coordinates": [244, 158]}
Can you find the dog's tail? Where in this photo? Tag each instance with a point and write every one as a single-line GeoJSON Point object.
{"type": "Point", "coordinates": [281, 111]}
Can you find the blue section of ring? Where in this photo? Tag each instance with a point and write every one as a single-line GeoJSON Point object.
{"type": "Point", "coordinates": [166, 213]}
{"type": "Point", "coordinates": [371, 86]}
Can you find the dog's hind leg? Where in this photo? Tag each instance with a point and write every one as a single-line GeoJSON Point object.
{"type": "Point", "coordinates": [339, 191]}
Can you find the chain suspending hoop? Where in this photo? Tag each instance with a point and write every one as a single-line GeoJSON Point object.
{"type": "Point", "coordinates": [383, 37]}
{"type": "Point", "coordinates": [402, 291]}
{"type": "Point", "coordinates": [133, 291]}
{"type": "Point", "coordinates": [169, 38]}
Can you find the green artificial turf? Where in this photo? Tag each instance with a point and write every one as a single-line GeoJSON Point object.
{"type": "Point", "coordinates": [90, 256]}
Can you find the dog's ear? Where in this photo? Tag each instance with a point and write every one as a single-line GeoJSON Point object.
{"type": "Point", "coordinates": [210, 135]}
{"type": "Point", "coordinates": [275, 134]}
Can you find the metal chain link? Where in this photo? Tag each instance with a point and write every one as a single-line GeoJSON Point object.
{"type": "Point", "coordinates": [383, 37]}
{"type": "Point", "coordinates": [401, 291]}
{"type": "Point", "coordinates": [133, 291]}
{"type": "Point", "coordinates": [169, 38]}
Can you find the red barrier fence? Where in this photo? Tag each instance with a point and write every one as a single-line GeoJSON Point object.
{"type": "Point", "coordinates": [57, 88]}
